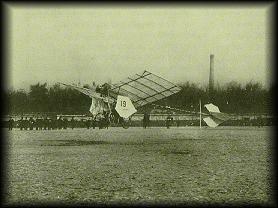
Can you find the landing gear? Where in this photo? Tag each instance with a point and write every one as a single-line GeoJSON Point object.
{"type": "Point", "coordinates": [102, 121]}
{"type": "Point", "coordinates": [116, 120]}
{"type": "Point", "coordinates": [112, 120]}
{"type": "Point", "coordinates": [125, 123]}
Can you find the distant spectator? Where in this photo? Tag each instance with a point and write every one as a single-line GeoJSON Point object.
{"type": "Point", "coordinates": [40, 123]}
{"type": "Point", "coordinates": [26, 124]}
{"type": "Point", "coordinates": [44, 123]}
{"type": "Point", "coordinates": [21, 123]}
{"type": "Point", "coordinates": [48, 123]}
{"type": "Point", "coordinates": [178, 122]}
{"type": "Point", "coordinates": [146, 120]}
{"type": "Point", "coordinates": [72, 123]}
{"type": "Point", "coordinates": [94, 122]}
{"type": "Point", "coordinates": [31, 123]}
{"type": "Point", "coordinates": [11, 123]}
{"type": "Point", "coordinates": [65, 123]}
{"type": "Point", "coordinates": [88, 123]}
{"type": "Point", "coordinates": [168, 121]}
{"type": "Point", "coordinates": [59, 123]}
{"type": "Point", "coordinates": [54, 123]}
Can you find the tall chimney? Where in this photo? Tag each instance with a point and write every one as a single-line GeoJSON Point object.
{"type": "Point", "coordinates": [211, 73]}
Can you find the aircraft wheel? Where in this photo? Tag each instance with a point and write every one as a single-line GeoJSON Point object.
{"type": "Point", "coordinates": [125, 123]}
{"type": "Point", "coordinates": [112, 119]}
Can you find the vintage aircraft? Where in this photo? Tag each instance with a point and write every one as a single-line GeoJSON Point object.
{"type": "Point", "coordinates": [116, 103]}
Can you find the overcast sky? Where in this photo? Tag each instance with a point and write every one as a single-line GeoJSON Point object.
{"type": "Point", "coordinates": [65, 44]}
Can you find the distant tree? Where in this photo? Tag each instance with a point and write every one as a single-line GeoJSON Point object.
{"type": "Point", "coordinates": [189, 96]}
{"type": "Point", "coordinates": [38, 97]}
{"type": "Point", "coordinates": [18, 102]}
{"type": "Point", "coordinates": [234, 95]}
{"type": "Point", "coordinates": [56, 99]}
{"type": "Point", "coordinates": [254, 97]}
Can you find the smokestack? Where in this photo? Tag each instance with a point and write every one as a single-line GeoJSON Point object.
{"type": "Point", "coordinates": [211, 73]}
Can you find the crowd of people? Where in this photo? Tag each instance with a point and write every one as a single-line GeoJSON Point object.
{"type": "Point", "coordinates": [31, 123]}
{"type": "Point", "coordinates": [47, 123]}
{"type": "Point", "coordinates": [168, 122]}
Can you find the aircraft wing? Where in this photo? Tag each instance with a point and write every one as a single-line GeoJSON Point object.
{"type": "Point", "coordinates": [89, 92]}
{"type": "Point", "coordinates": [144, 88]}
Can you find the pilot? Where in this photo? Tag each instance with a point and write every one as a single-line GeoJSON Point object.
{"type": "Point", "coordinates": [105, 89]}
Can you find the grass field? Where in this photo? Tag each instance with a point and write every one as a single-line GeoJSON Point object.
{"type": "Point", "coordinates": [221, 165]}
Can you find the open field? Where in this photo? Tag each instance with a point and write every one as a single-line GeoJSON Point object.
{"type": "Point", "coordinates": [222, 165]}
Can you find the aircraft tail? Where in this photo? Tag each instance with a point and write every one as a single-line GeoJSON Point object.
{"type": "Point", "coordinates": [216, 117]}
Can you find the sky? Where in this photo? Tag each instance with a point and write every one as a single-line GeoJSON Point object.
{"type": "Point", "coordinates": [109, 43]}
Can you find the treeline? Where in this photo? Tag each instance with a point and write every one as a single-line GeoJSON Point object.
{"type": "Point", "coordinates": [231, 98]}
{"type": "Point", "coordinates": [44, 100]}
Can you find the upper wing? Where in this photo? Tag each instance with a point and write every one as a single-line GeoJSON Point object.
{"type": "Point", "coordinates": [144, 88]}
{"type": "Point", "coordinates": [86, 91]}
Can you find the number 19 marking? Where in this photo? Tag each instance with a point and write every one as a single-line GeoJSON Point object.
{"type": "Point", "coordinates": [123, 103]}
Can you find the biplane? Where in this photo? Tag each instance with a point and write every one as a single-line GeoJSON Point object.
{"type": "Point", "coordinates": [116, 103]}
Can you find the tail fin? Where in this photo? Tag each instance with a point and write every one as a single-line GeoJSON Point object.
{"type": "Point", "coordinates": [212, 122]}
{"type": "Point", "coordinates": [216, 117]}
{"type": "Point", "coordinates": [212, 108]}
